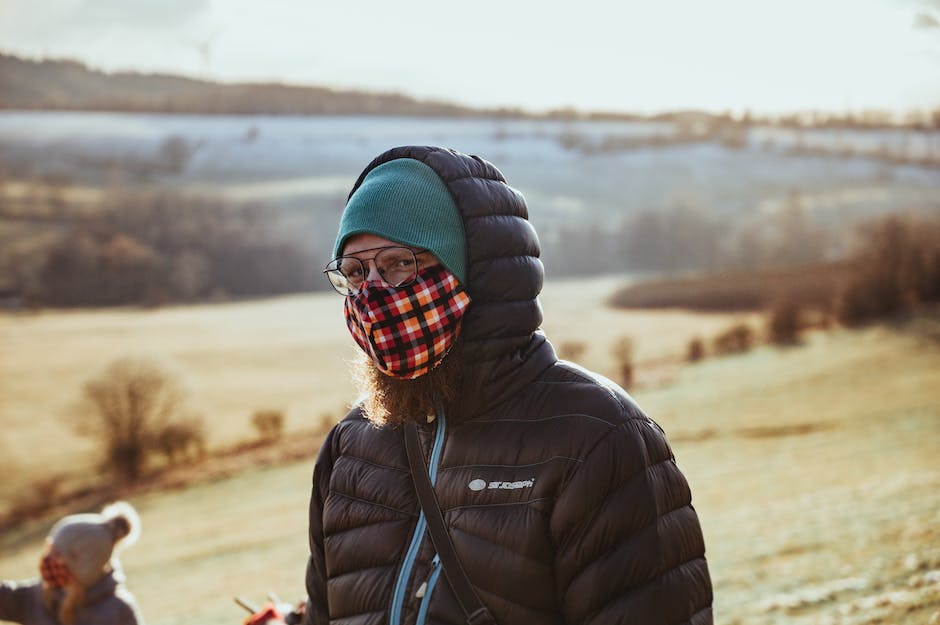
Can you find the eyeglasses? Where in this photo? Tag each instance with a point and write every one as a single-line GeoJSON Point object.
{"type": "Point", "coordinates": [397, 266]}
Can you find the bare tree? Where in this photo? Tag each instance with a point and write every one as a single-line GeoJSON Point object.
{"type": "Point", "coordinates": [897, 268]}
{"type": "Point", "coordinates": [130, 406]}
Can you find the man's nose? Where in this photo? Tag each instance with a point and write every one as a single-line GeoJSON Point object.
{"type": "Point", "coordinates": [372, 272]}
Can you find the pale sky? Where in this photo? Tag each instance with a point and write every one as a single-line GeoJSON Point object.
{"type": "Point", "coordinates": [626, 55]}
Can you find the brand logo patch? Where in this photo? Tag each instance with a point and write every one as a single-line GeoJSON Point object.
{"type": "Point", "coordinates": [478, 484]}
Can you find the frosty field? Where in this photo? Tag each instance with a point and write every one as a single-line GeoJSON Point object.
{"type": "Point", "coordinates": [814, 468]}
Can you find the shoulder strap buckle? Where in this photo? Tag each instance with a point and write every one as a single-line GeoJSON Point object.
{"type": "Point", "coordinates": [481, 616]}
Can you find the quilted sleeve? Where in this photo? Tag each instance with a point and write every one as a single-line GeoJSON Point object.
{"type": "Point", "coordinates": [629, 544]}
{"type": "Point", "coordinates": [14, 598]}
{"type": "Point", "coordinates": [317, 611]}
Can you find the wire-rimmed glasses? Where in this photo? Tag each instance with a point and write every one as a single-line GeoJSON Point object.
{"type": "Point", "coordinates": [397, 266]}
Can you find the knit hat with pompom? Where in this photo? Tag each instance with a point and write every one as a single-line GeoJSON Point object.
{"type": "Point", "coordinates": [87, 542]}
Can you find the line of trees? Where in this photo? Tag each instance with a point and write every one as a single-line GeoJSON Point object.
{"type": "Point", "coordinates": [37, 84]}
{"type": "Point", "coordinates": [29, 84]}
{"type": "Point", "coordinates": [688, 238]}
{"type": "Point", "coordinates": [893, 268]}
{"type": "Point", "coordinates": [152, 248]}
{"type": "Point", "coordinates": [896, 269]}
{"type": "Point", "coordinates": [156, 248]}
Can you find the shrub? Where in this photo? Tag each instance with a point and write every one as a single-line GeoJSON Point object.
{"type": "Point", "coordinates": [182, 441]}
{"type": "Point", "coordinates": [269, 424]}
{"type": "Point", "coordinates": [696, 350]}
{"type": "Point", "coordinates": [785, 323]}
{"type": "Point", "coordinates": [736, 339]}
{"type": "Point", "coordinates": [622, 351]}
{"type": "Point", "coordinates": [134, 408]}
{"type": "Point", "coordinates": [572, 350]}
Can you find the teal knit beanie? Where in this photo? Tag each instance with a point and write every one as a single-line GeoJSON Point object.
{"type": "Point", "coordinates": [405, 201]}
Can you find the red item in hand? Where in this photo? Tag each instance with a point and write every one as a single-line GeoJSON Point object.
{"type": "Point", "coordinates": [54, 571]}
{"type": "Point", "coordinates": [267, 614]}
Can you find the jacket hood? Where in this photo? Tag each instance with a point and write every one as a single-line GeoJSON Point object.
{"type": "Point", "coordinates": [501, 343]}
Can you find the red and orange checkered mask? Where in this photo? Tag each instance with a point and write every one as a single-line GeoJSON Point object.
{"type": "Point", "coordinates": [408, 330]}
{"type": "Point", "coordinates": [54, 571]}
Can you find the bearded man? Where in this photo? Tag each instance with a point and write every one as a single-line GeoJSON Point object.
{"type": "Point", "coordinates": [561, 499]}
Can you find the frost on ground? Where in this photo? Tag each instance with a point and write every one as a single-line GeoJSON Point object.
{"type": "Point", "coordinates": [812, 595]}
{"type": "Point", "coordinates": [826, 525]}
{"type": "Point", "coordinates": [894, 555]}
{"type": "Point", "coordinates": [851, 601]}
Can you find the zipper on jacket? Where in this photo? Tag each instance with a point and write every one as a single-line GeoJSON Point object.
{"type": "Point", "coordinates": [398, 597]}
{"type": "Point", "coordinates": [427, 588]}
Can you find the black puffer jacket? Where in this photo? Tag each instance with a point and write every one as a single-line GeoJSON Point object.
{"type": "Point", "coordinates": [562, 498]}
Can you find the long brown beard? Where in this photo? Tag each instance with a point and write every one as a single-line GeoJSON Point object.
{"type": "Point", "coordinates": [394, 401]}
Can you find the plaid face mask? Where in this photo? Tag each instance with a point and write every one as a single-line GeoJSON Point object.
{"type": "Point", "coordinates": [408, 330]}
{"type": "Point", "coordinates": [54, 571]}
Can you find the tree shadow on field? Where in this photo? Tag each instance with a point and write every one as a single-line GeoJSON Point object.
{"type": "Point", "coordinates": [789, 429]}
{"type": "Point", "coordinates": [754, 432]}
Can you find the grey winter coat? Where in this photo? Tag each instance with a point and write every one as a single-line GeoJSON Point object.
{"type": "Point", "coordinates": [107, 602]}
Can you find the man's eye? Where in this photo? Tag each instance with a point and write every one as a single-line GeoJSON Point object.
{"type": "Point", "coordinates": [396, 264]}
{"type": "Point", "coordinates": [352, 270]}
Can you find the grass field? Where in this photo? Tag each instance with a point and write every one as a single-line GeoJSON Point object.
{"type": "Point", "coordinates": [815, 469]}
{"type": "Point", "coordinates": [285, 354]}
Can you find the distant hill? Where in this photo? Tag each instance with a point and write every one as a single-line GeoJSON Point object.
{"type": "Point", "coordinates": [70, 85]}
{"type": "Point", "coordinates": [63, 84]}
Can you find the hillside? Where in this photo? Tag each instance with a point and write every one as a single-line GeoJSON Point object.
{"type": "Point", "coordinates": [70, 85]}
{"type": "Point", "coordinates": [284, 353]}
{"type": "Point", "coordinates": [813, 469]}
{"type": "Point", "coordinates": [66, 84]}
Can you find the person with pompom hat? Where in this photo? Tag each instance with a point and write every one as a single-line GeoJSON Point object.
{"type": "Point", "coordinates": [81, 582]}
